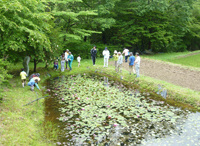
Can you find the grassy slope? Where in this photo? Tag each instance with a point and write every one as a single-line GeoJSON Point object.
{"type": "Point", "coordinates": [193, 60]}
{"type": "Point", "coordinates": [25, 125]}
{"type": "Point", "coordinates": [178, 58]}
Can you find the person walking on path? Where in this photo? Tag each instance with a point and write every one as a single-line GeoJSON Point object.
{"type": "Point", "coordinates": [62, 62]}
{"type": "Point", "coordinates": [66, 56]}
{"type": "Point", "coordinates": [119, 62]}
{"type": "Point", "coordinates": [126, 53]}
{"type": "Point", "coordinates": [70, 60]}
{"type": "Point", "coordinates": [137, 65]}
{"type": "Point", "coordinates": [79, 60]}
{"type": "Point", "coordinates": [23, 77]}
{"type": "Point", "coordinates": [131, 63]}
{"type": "Point", "coordinates": [25, 64]}
{"type": "Point", "coordinates": [33, 82]}
{"type": "Point", "coordinates": [106, 55]}
{"type": "Point", "coordinates": [93, 54]}
{"type": "Point", "coordinates": [115, 59]}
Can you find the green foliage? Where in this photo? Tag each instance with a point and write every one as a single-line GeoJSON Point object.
{"type": "Point", "coordinates": [24, 27]}
{"type": "Point", "coordinates": [4, 76]}
{"type": "Point", "coordinates": [158, 25]}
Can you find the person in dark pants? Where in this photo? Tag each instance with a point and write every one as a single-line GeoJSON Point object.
{"type": "Point", "coordinates": [93, 54]}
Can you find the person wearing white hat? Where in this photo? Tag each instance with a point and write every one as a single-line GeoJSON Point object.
{"type": "Point", "coordinates": [106, 55]}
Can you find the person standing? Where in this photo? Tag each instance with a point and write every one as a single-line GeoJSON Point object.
{"type": "Point", "coordinates": [93, 54]}
{"type": "Point", "coordinates": [56, 64]}
{"type": "Point", "coordinates": [126, 53]}
{"type": "Point", "coordinates": [62, 62]}
{"type": "Point", "coordinates": [137, 65]}
{"type": "Point", "coordinates": [131, 63]}
{"type": "Point", "coordinates": [79, 60]}
{"type": "Point", "coordinates": [66, 56]}
{"type": "Point", "coordinates": [23, 77]}
{"type": "Point", "coordinates": [115, 59]}
{"type": "Point", "coordinates": [106, 55]}
{"type": "Point", "coordinates": [25, 64]}
{"type": "Point", "coordinates": [119, 62]}
{"type": "Point", "coordinates": [70, 60]}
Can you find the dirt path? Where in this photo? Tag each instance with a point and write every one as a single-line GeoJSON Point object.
{"type": "Point", "coordinates": [170, 73]}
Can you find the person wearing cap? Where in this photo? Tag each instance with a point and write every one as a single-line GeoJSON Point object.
{"type": "Point", "coordinates": [93, 54]}
{"type": "Point", "coordinates": [34, 75]}
{"type": "Point", "coordinates": [115, 59]}
{"type": "Point", "coordinates": [70, 60]}
{"type": "Point", "coordinates": [33, 82]}
{"type": "Point", "coordinates": [106, 55]}
{"type": "Point", "coordinates": [126, 53]}
{"type": "Point", "coordinates": [66, 56]}
{"type": "Point", "coordinates": [137, 65]}
{"type": "Point", "coordinates": [131, 63]}
{"type": "Point", "coordinates": [119, 62]}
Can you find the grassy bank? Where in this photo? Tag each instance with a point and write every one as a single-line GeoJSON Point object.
{"type": "Point", "coordinates": [189, 59]}
{"type": "Point", "coordinates": [24, 125]}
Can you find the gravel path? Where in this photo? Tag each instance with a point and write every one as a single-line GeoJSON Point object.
{"type": "Point", "coordinates": [170, 73]}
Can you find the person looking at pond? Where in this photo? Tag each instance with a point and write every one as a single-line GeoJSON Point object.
{"type": "Point", "coordinates": [137, 65]}
{"type": "Point", "coordinates": [33, 82]}
{"type": "Point", "coordinates": [131, 63]}
{"type": "Point", "coordinates": [70, 60]}
{"type": "Point", "coordinates": [66, 55]}
{"type": "Point", "coordinates": [62, 62]}
{"type": "Point", "coordinates": [93, 54]}
{"type": "Point", "coordinates": [106, 55]}
{"type": "Point", "coordinates": [119, 62]}
{"type": "Point", "coordinates": [115, 59]}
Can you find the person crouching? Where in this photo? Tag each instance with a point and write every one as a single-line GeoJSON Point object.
{"type": "Point", "coordinates": [33, 82]}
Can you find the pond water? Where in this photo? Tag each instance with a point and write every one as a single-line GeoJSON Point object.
{"type": "Point", "coordinates": [96, 111]}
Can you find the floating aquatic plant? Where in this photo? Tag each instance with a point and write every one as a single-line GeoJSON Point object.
{"type": "Point", "coordinates": [93, 112]}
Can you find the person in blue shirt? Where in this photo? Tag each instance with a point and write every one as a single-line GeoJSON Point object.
{"type": "Point", "coordinates": [70, 60]}
{"type": "Point", "coordinates": [131, 63]}
{"type": "Point", "coordinates": [33, 82]}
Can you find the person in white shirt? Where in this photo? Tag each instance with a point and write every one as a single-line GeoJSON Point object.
{"type": "Point", "coordinates": [66, 56]}
{"type": "Point", "coordinates": [137, 65]}
{"type": "Point", "coordinates": [79, 60]}
{"type": "Point", "coordinates": [106, 55]}
{"type": "Point", "coordinates": [119, 62]}
{"type": "Point", "coordinates": [126, 54]}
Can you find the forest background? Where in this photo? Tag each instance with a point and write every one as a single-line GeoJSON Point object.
{"type": "Point", "coordinates": [44, 29]}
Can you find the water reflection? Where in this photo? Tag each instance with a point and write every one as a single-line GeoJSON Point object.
{"type": "Point", "coordinates": [189, 134]}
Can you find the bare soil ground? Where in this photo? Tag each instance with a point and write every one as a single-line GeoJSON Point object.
{"type": "Point", "coordinates": [170, 73]}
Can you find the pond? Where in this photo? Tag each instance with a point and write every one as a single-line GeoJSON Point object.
{"type": "Point", "coordinates": [93, 110]}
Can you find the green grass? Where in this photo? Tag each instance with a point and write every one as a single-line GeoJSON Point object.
{"type": "Point", "coordinates": [193, 60]}
{"type": "Point", "coordinates": [25, 125]}
{"type": "Point", "coordinates": [169, 56]}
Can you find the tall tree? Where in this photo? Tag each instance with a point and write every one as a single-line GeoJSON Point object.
{"type": "Point", "coordinates": [24, 27]}
{"type": "Point", "coordinates": [157, 25]}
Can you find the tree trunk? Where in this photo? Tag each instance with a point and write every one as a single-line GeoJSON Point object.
{"type": "Point", "coordinates": [85, 38]}
{"type": "Point", "coordinates": [35, 64]}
